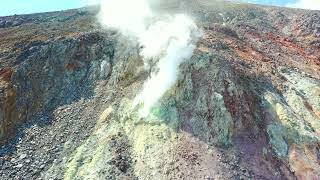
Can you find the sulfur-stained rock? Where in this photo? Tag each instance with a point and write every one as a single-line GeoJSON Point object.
{"type": "Point", "coordinates": [246, 105]}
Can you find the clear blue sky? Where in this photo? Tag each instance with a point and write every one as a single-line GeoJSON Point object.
{"type": "Point", "coordinates": [10, 7]}
{"type": "Point", "coordinates": [273, 2]}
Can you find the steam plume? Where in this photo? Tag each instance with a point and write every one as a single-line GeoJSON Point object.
{"type": "Point", "coordinates": [170, 40]}
{"type": "Point", "coordinates": [129, 16]}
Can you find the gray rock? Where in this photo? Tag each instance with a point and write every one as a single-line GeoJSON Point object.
{"type": "Point", "coordinates": [22, 156]}
{"type": "Point", "coordinates": [13, 160]}
{"type": "Point", "coordinates": [2, 23]}
{"type": "Point", "coordinates": [19, 165]}
{"type": "Point", "coordinates": [42, 166]}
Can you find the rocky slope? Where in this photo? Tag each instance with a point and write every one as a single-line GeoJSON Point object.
{"type": "Point", "coordinates": [245, 106]}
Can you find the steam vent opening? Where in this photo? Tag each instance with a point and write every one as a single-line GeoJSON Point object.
{"type": "Point", "coordinates": [160, 90]}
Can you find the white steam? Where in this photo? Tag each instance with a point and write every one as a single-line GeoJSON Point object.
{"type": "Point", "coordinates": [173, 42]}
{"type": "Point", "coordinates": [170, 40]}
{"type": "Point", "coordinates": [129, 16]}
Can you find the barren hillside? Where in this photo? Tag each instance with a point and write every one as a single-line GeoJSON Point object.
{"type": "Point", "coordinates": [245, 106]}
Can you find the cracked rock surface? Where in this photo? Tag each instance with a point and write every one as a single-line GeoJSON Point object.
{"type": "Point", "coordinates": [245, 106]}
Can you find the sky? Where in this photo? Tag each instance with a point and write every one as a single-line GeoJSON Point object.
{"type": "Point", "coordinates": [303, 4]}
{"type": "Point", "coordinates": [11, 7]}
{"type": "Point", "coordinates": [273, 2]}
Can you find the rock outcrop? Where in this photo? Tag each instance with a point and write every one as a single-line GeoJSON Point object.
{"type": "Point", "coordinates": [245, 106]}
